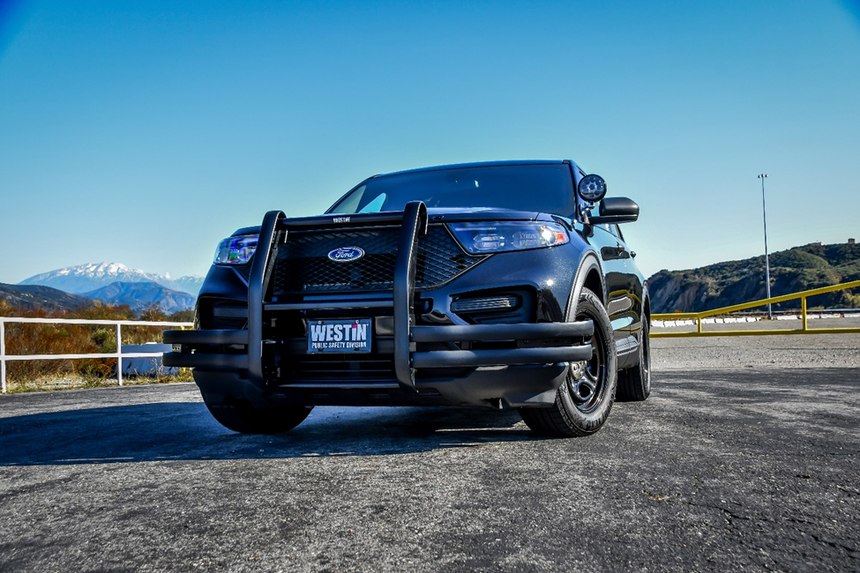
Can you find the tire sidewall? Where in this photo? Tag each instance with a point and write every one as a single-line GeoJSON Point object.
{"type": "Point", "coordinates": [591, 306]}
{"type": "Point", "coordinates": [240, 406]}
{"type": "Point", "coordinates": [645, 358]}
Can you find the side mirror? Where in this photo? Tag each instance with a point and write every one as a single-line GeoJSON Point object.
{"type": "Point", "coordinates": [592, 188]}
{"type": "Point", "coordinates": [616, 210]}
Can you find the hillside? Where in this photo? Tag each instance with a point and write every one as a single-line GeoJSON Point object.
{"type": "Point", "coordinates": [32, 297]}
{"type": "Point", "coordinates": [733, 282]}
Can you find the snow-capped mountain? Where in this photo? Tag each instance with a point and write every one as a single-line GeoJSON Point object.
{"type": "Point", "coordinates": [88, 277]}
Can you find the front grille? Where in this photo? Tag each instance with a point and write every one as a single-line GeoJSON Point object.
{"type": "Point", "coordinates": [322, 369]}
{"type": "Point", "coordinates": [302, 265]}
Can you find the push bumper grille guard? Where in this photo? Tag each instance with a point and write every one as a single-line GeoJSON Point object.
{"type": "Point", "coordinates": [413, 222]}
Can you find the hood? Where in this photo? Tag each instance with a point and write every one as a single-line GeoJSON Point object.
{"type": "Point", "coordinates": [436, 215]}
{"type": "Point", "coordinates": [456, 214]}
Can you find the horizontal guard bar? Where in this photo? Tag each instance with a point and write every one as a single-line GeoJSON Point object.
{"type": "Point", "coordinates": [496, 332]}
{"type": "Point", "coordinates": [343, 386]}
{"type": "Point", "coordinates": [206, 361]}
{"type": "Point", "coordinates": [232, 336]}
{"type": "Point", "coordinates": [471, 358]}
{"type": "Point", "coordinates": [299, 347]}
{"type": "Point", "coordinates": [341, 221]}
{"type": "Point", "coordinates": [334, 305]}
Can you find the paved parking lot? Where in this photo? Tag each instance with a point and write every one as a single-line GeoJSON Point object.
{"type": "Point", "coordinates": [741, 464]}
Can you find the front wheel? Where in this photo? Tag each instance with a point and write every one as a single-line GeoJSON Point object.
{"type": "Point", "coordinates": [583, 401]}
{"type": "Point", "coordinates": [246, 418]}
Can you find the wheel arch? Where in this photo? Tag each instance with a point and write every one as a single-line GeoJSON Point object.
{"type": "Point", "coordinates": [646, 304]}
{"type": "Point", "coordinates": [589, 274]}
{"type": "Point", "coordinates": [646, 300]}
{"type": "Point", "coordinates": [645, 318]}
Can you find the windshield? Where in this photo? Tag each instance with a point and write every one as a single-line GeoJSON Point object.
{"type": "Point", "coordinates": [546, 188]}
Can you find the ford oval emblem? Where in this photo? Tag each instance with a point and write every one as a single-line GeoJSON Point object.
{"type": "Point", "coordinates": [346, 254]}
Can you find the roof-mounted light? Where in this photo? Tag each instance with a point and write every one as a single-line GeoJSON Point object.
{"type": "Point", "coordinates": [592, 188]}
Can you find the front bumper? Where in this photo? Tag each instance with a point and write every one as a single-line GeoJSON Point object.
{"type": "Point", "coordinates": [199, 348]}
{"type": "Point", "coordinates": [242, 350]}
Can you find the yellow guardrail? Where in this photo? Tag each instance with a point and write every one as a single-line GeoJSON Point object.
{"type": "Point", "coordinates": [804, 316]}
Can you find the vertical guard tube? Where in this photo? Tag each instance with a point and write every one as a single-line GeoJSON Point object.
{"type": "Point", "coordinates": [414, 225]}
{"type": "Point", "coordinates": [256, 292]}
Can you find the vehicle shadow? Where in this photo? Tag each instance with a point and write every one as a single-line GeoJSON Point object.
{"type": "Point", "coordinates": [186, 431]}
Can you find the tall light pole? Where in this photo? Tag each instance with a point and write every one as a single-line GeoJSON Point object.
{"type": "Point", "coordinates": [763, 176]}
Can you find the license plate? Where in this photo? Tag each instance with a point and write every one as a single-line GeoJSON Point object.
{"type": "Point", "coordinates": [339, 335]}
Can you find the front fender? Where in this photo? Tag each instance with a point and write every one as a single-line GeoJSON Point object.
{"type": "Point", "coordinates": [589, 273]}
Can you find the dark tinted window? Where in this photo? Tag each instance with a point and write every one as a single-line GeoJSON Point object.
{"type": "Point", "coordinates": [546, 188]}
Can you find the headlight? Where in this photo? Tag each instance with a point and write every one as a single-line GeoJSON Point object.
{"type": "Point", "coordinates": [236, 250]}
{"type": "Point", "coordinates": [496, 237]}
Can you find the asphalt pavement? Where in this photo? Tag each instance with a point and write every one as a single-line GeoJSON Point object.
{"type": "Point", "coordinates": [741, 465]}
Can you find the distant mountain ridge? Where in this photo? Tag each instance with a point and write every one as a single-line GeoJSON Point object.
{"type": "Point", "coordinates": [35, 297]}
{"type": "Point", "coordinates": [691, 290]}
{"type": "Point", "coordinates": [142, 295]}
{"type": "Point", "coordinates": [733, 282]}
{"type": "Point", "coordinates": [88, 277]}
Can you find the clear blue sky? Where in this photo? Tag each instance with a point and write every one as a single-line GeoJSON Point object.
{"type": "Point", "coordinates": [143, 132]}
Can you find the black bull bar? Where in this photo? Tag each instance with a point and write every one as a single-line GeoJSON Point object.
{"type": "Point", "coordinates": [197, 345]}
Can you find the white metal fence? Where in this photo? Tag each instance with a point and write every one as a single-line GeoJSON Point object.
{"type": "Point", "coordinates": [118, 355]}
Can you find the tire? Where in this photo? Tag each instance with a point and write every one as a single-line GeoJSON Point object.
{"type": "Point", "coordinates": [584, 399]}
{"type": "Point", "coordinates": [244, 417]}
{"type": "Point", "coordinates": [634, 384]}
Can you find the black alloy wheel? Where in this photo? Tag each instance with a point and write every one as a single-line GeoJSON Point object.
{"type": "Point", "coordinates": [583, 402]}
{"type": "Point", "coordinates": [586, 380]}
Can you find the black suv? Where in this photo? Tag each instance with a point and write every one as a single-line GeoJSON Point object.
{"type": "Point", "coordinates": [503, 284]}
